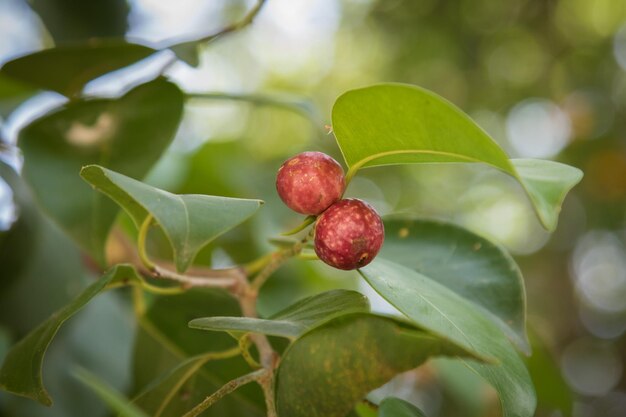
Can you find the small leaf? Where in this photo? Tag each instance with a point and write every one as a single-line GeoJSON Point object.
{"type": "Point", "coordinates": [390, 124]}
{"type": "Point", "coordinates": [295, 320]}
{"type": "Point", "coordinates": [470, 265]}
{"type": "Point", "coordinates": [547, 183]}
{"type": "Point", "coordinates": [66, 69]}
{"type": "Point", "coordinates": [395, 407]}
{"type": "Point", "coordinates": [332, 367]}
{"type": "Point", "coordinates": [112, 398]}
{"type": "Point", "coordinates": [21, 370]}
{"type": "Point", "coordinates": [447, 314]}
{"type": "Point", "coordinates": [128, 134]}
{"type": "Point", "coordinates": [190, 221]}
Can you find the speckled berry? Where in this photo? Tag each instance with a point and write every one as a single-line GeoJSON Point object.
{"type": "Point", "coordinates": [310, 182]}
{"type": "Point", "coordinates": [349, 234]}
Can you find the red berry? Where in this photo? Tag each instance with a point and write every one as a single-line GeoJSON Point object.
{"type": "Point", "coordinates": [310, 182]}
{"type": "Point", "coordinates": [349, 234]}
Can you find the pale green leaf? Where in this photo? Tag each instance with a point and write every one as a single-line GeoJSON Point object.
{"type": "Point", "coordinates": [294, 320]}
{"type": "Point", "coordinates": [391, 124]}
{"type": "Point", "coordinates": [444, 312]}
{"type": "Point", "coordinates": [190, 221]}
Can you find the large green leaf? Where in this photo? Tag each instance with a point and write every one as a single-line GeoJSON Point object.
{"type": "Point", "coordinates": [470, 265]}
{"type": "Point", "coordinates": [444, 312]}
{"type": "Point", "coordinates": [294, 320]}
{"type": "Point", "coordinates": [127, 134]}
{"type": "Point", "coordinates": [21, 370]}
{"type": "Point", "coordinates": [331, 368]}
{"type": "Point", "coordinates": [390, 124]}
{"type": "Point", "coordinates": [66, 69]}
{"type": "Point", "coordinates": [190, 221]}
{"type": "Point", "coordinates": [110, 396]}
{"type": "Point", "coordinates": [170, 368]}
{"type": "Point", "coordinates": [395, 407]}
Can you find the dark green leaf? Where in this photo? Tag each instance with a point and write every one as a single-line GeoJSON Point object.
{"type": "Point", "coordinates": [66, 69]}
{"type": "Point", "coordinates": [112, 398]}
{"type": "Point", "coordinates": [78, 20]}
{"type": "Point", "coordinates": [391, 124]}
{"type": "Point", "coordinates": [165, 350]}
{"type": "Point", "coordinates": [444, 312]}
{"type": "Point", "coordinates": [12, 93]}
{"type": "Point", "coordinates": [470, 265]}
{"type": "Point", "coordinates": [294, 320]}
{"type": "Point", "coordinates": [395, 407]}
{"type": "Point", "coordinates": [128, 135]}
{"type": "Point", "coordinates": [190, 221]}
{"type": "Point", "coordinates": [21, 370]}
{"type": "Point", "coordinates": [553, 392]}
{"type": "Point", "coordinates": [329, 369]}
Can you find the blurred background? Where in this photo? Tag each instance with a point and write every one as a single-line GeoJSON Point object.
{"type": "Point", "coordinates": [547, 79]}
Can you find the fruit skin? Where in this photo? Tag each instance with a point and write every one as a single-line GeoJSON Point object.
{"type": "Point", "coordinates": [349, 234]}
{"type": "Point", "coordinates": [310, 182]}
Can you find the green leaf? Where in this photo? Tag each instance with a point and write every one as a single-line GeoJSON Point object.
{"type": "Point", "coordinates": [395, 407]}
{"type": "Point", "coordinates": [112, 398]}
{"type": "Point", "coordinates": [165, 350]}
{"type": "Point", "coordinates": [331, 368]}
{"type": "Point", "coordinates": [190, 221]}
{"type": "Point", "coordinates": [547, 183]}
{"type": "Point", "coordinates": [553, 392]}
{"type": "Point", "coordinates": [21, 370]}
{"type": "Point", "coordinates": [390, 124]}
{"type": "Point", "coordinates": [470, 265]}
{"type": "Point", "coordinates": [294, 320]}
{"type": "Point", "coordinates": [127, 134]}
{"type": "Point", "coordinates": [444, 312]}
{"type": "Point", "coordinates": [66, 69]}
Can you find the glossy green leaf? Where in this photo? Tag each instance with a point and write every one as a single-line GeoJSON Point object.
{"type": "Point", "coordinates": [190, 221]}
{"type": "Point", "coordinates": [444, 312]}
{"type": "Point", "coordinates": [66, 69]}
{"type": "Point", "coordinates": [127, 134]}
{"type": "Point", "coordinates": [168, 382]}
{"type": "Point", "coordinates": [296, 319]}
{"type": "Point", "coordinates": [470, 265]}
{"type": "Point", "coordinates": [391, 124]}
{"type": "Point", "coordinates": [395, 407]}
{"type": "Point", "coordinates": [21, 370]}
{"type": "Point", "coordinates": [331, 368]}
{"type": "Point", "coordinates": [116, 401]}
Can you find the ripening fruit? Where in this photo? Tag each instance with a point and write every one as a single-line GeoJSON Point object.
{"type": "Point", "coordinates": [310, 182]}
{"type": "Point", "coordinates": [349, 234]}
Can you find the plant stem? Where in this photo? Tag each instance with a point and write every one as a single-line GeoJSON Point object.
{"type": "Point", "coordinates": [225, 390]}
{"type": "Point", "coordinates": [220, 279]}
{"type": "Point", "coordinates": [279, 258]}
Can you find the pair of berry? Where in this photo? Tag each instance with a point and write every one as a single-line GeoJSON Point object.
{"type": "Point", "coordinates": [348, 232]}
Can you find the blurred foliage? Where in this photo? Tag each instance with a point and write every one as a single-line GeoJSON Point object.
{"type": "Point", "coordinates": [563, 62]}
